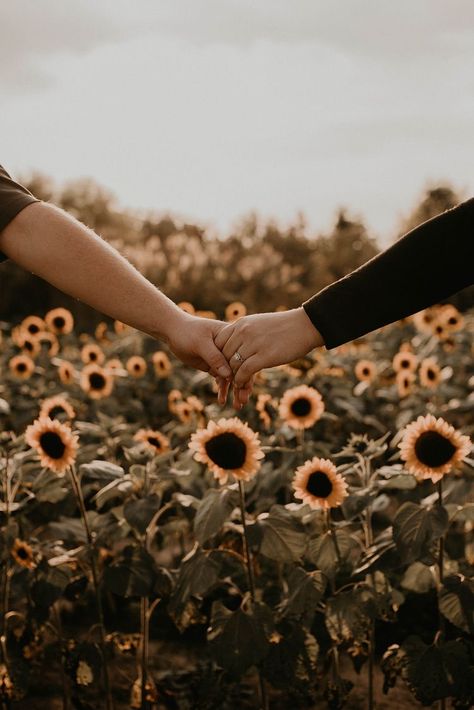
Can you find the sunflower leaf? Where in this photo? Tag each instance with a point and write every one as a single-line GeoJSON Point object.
{"type": "Point", "coordinates": [213, 511]}
{"type": "Point", "coordinates": [284, 537]}
{"type": "Point", "coordinates": [322, 551]}
{"type": "Point", "coordinates": [456, 602]}
{"type": "Point", "coordinates": [416, 528]}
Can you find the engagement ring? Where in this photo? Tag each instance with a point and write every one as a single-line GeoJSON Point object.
{"type": "Point", "coordinates": [238, 356]}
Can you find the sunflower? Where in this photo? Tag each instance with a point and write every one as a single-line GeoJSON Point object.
{"type": "Point", "coordinates": [228, 447]}
{"type": "Point", "coordinates": [100, 332]}
{"type": "Point", "coordinates": [22, 553]}
{"type": "Point", "coordinates": [234, 311]}
{"type": "Point", "coordinates": [66, 371]}
{"type": "Point", "coordinates": [57, 405]}
{"type": "Point", "coordinates": [424, 320]}
{"type": "Point", "coordinates": [120, 327]}
{"type": "Point", "coordinates": [174, 396]}
{"type": "Point", "coordinates": [265, 407]}
{"type": "Point", "coordinates": [161, 364]}
{"type": "Point", "coordinates": [54, 442]}
{"type": "Point", "coordinates": [206, 314]}
{"type": "Point", "coordinates": [22, 366]}
{"type": "Point", "coordinates": [404, 380]}
{"type": "Point", "coordinates": [405, 360]}
{"type": "Point", "coordinates": [301, 407]}
{"type": "Point", "coordinates": [97, 382]}
{"type": "Point", "coordinates": [154, 440]}
{"type": "Point", "coordinates": [113, 364]}
{"type": "Point", "coordinates": [184, 411]}
{"type": "Point", "coordinates": [91, 352]}
{"type": "Point", "coordinates": [136, 366]}
{"type": "Point", "coordinates": [187, 307]}
{"type": "Point", "coordinates": [431, 447]}
{"type": "Point", "coordinates": [365, 370]}
{"type": "Point", "coordinates": [59, 321]}
{"type": "Point", "coordinates": [429, 373]}
{"type": "Point", "coordinates": [318, 484]}
{"type": "Point", "coordinates": [451, 317]}
{"type": "Point", "coordinates": [32, 324]}
{"type": "Point", "coordinates": [50, 339]}
{"type": "Point", "coordinates": [26, 342]}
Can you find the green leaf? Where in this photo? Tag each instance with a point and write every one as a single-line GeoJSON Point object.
{"type": "Point", "coordinates": [213, 511]}
{"type": "Point", "coordinates": [305, 591]}
{"type": "Point", "coordinates": [456, 602]}
{"type": "Point", "coordinates": [418, 578]}
{"type": "Point", "coordinates": [284, 537]}
{"type": "Point", "coordinates": [197, 574]}
{"type": "Point", "coordinates": [116, 489]}
{"type": "Point", "coordinates": [357, 502]}
{"type": "Point", "coordinates": [48, 487]}
{"type": "Point", "coordinates": [133, 575]}
{"type": "Point", "coordinates": [102, 471]}
{"type": "Point", "coordinates": [139, 513]}
{"type": "Point", "coordinates": [349, 614]}
{"type": "Point", "coordinates": [416, 528]}
{"type": "Point", "coordinates": [322, 550]}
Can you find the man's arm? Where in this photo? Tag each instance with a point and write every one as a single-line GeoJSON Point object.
{"type": "Point", "coordinates": [52, 244]}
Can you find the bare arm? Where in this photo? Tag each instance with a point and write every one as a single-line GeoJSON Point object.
{"type": "Point", "coordinates": [52, 244]}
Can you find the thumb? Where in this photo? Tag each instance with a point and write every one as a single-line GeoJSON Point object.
{"type": "Point", "coordinates": [218, 365]}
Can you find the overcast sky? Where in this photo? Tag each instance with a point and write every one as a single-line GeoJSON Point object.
{"type": "Point", "coordinates": [212, 108]}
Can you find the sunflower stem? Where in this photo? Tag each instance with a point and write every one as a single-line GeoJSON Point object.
{"type": "Point", "coordinates": [442, 625]}
{"type": "Point", "coordinates": [248, 559]}
{"type": "Point", "coordinates": [95, 579]}
{"type": "Point", "coordinates": [144, 606]}
{"type": "Point", "coordinates": [59, 631]}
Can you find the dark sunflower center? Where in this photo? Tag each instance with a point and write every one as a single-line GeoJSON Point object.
{"type": "Point", "coordinates": [154, 441]}
{"type": "Point", "coordinates": [439, 328]}
{"type": "Point", "coordinates": [92, 356]}
{"type": "Point", "coordinates": [434, 449]}
{"type": "Point", "coordinates": [227, 450]}
{"type": "Point", "coordinates": [59, 322]}
{"type": "Point", "coordinates": [28, 345]}
{"type": "Point", "coordinates": [22, 553]}
{"type": "Point", "coordinates": [453, 320]}
{"type": "Point", "coordinates": [33, 328]}
{"type": "Point", "coordinates": [431, 374]}
{"type": "Point", "coordinates": [366, 371]}
{"type": "Point", "coordinates": [52, 444]}
{"type": "Point", "coordinates": [405, 363]}
{"type": "Point", "coordinates": [319, 484]}
{"type": "Point", "coordinates": [21, 367]}
{"type": "Point", "coordinates": [55, 411]}
{"type": "Point", "coordinates": [301, 407]}
{"type": "Point", "coordinates": [97, 381]}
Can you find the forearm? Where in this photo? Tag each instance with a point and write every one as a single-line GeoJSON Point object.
{"type": "Point", "coordinates": [50, 243]}
{"type": "Point", "coordinates": [428, 264]}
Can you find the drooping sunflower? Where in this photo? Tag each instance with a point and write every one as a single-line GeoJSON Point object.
{"type": "Point", "coordinates": [187, 307]}
{"type": "Point", "coordinates": [48, 341]}
{"type": "Point", "coordinates": [301, 407]}
{"type": "Point", "coordinates": [318, 484]}
{"type": "Point", "coordinates": [429, 373]}
{"type": "Point", "coordinates": [136, 366]}
{"type": "Point", "coordinates": [234, 311]}
{"type": "Point", "coordinates": [32, 324]}
{"type": "Point", "coordinates": [22, 366]}
{"type": "Point", "coordinates": [54, 442]}
{"type": "Point", "coordinates": [266, 409]}
{"type": "Point", "coordinates": [66, 371]}
{"type": "Point", "coordinates": [431, 447]}
{"type": "Point", "coordinates": [365, 370]}
{"type": "Point", "coordinates": [100, 332]}
{"type": "Point", "coordinates": [184, 411]}
{"type": "Point", "coordinates": [404, 380]}
{"type": "Point", "coordinates": [174, 396]}
{"type": "Point", "coordinates": [22, 553]}
{"type": "Point", "coordinates": [92, 353]}
{"type": "Point", "coordinates": [59, 321]}
{"type": "Point", "coordinates": [405, 360]}
{"type": "Point", "coordinates": [154, 440]}
{"type": "Point", "coordinates": [161, 364]}
{"type": "Point", "coordinates": [96, 381]}
{"type": "Point", "coordinates": [228, 447]}
{"type": "Point", "coordinates": [55, 407]}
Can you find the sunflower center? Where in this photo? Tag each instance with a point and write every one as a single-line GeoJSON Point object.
{"type": "Point", "coordinates": [21, 367]}
{"type": "Point", "coordinates": [154, 441]}
{"type": "Point", "coordinates": [97, 381]}
{"type": "Point", "coordinates": [319, 484]}
{"type": "Point", "coordinates": [33, 328]}
{"type": "Point", "coordinates": [366, 371]}
{"type": "Point", "coordinates": [405, 363]}
{"type": "Point", "coordinates": [431, 374]}
{"type": "Point", "coordinates": [52, 444]}
{"type": "Point", "coordinates": [28, 345]}
{"type": "Point", "coordinates": [301, 407]}
{"type": "Point", "coordinates": [227, 450]}
{"type": "Point", "coordinates": [59, 322]}
{"type": "Point", "coordinates": [434, 449]}
{"type": "Point", "coordinates": [92, 356]}
{"type": "Point", "coordinates": [22, 553]}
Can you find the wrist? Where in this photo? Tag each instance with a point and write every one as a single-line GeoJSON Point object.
{"type": "Point", "coordinates": [172, 320]}
{"type": "Point", "coordinates": [313, 338]}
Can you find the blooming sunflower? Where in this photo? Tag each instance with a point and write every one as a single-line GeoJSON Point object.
{"type": "Point", "coordinates": [136, 366]}
{"type": "Point", "coordinates": [54, 442]}
{"type": "Point", "coordinates": [32, 324]}
{"type": "Point", "coordinates": [174, 396]}
{"type": "Point", "coordinates": [301, 407]}
{"type": "Point", "coordinates": [404, 380]}
{"type": "Point", "coordinates": [228, 447]}
{"type": "Point", "coordinates": [22, 553]}
{"type": "Point", "coordinates": [234, 311]}
{"type": "Point", "coordinates": [187, 307]}
{"type": "Point", "coordinates": [184, 411]}
{"type": "Point", "coordinates": [59, 321]}
{"type": "Point", "coordinates": [66, 371]}
{"type": "Point", "coordinates": [265, 407]}
{"type": "Point", "coordinates": [100, 332]}
{"type": "Point", "coordinates": [423, 320]}
{"type": "Point", "coordinates": [429, 373]}
{"type": "Point", "coordinates": [113, 364]}
{"type": "Point", "coordinates": [91, 352]}
{"type": "Point", "coordinates": [431, 447]}
{"type": "Point", "coordinates": [161, 364]}
{"type": "Point", "coordinates": [154, 440]}
{"type": "Point", "coordinates": [57, 405]}
{"type": "Point", "coordinates": [44, 337]}
{"type": "Point", "coordinates": [318, 484]}
{"type": "Point", "coordinates": [96, 381]}
{"type": "Point", "coordinates": [405, 360]}
{"type": "Point", "coordinates": [451, 317]}
{"type": "Point", "coordinates": [365, 370]}
{"type": "Point", "coordinates": [22, 366]}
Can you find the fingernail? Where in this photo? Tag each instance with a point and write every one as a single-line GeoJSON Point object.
{"type": "Point", "coordinates": [224, 371]}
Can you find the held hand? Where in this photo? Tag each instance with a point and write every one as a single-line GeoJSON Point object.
{"type": "Point", "coordinates": [266, 340]}
{"type": "Point", "coordinates": [191, 339]}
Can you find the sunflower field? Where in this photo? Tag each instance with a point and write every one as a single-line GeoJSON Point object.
{"type": "Point", "coordinates": [313, 550]}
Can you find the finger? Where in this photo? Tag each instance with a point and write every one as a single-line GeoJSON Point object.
{"type": "Point", "coordinates": [223, 336]}
{"type": "Point", "coordinates": [223, 390]}
{"type": "Point", "coordinates": [249, 367]}
{"type": "Point", "coordinates": [218, 365]}
{"type": "Point", "coordinates": [232, 345]}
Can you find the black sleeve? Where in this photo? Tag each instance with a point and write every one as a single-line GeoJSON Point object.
{"type": "Point", "coordinates": [425, 266]}
{"type": "Point", "coordinates": [13, 198]}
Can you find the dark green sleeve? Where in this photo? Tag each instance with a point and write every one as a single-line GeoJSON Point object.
{"type": "Point", "coordinates": [13, 198]}
{"type": "Point", "coordinates": [425, 266]}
